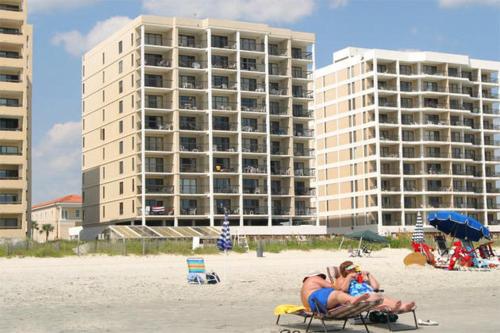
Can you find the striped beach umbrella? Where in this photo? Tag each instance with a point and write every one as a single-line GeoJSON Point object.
{"type": "Point", "coordinates": [418, 234]}
{"type": "Point", "coordinates": [224, 242]}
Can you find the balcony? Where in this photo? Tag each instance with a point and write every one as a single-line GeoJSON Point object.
{"type": "Point", "coordinates": [305, 133]}
{"type": "Point", "coordinates": [224, 126]}
{"type": "Point", "coordinates": [160, 210]}
{"type": "Point", "coordinates": [227, 189]}
{"type": "Point", "coordinates": [197, 85]}
{"type": "Point", "coordinates": [159, 189]}
{"type": "Point", "coordinates": [156, 83]}
{"type": "Point", "coordinates": [253, 108]}
{"type": "Point", "coordinates": [233, 210]}
{"type": "Point", "coordinates": [158, 147]}
{"type": "Point", "coordinates": [276, 51]}
{"type": "Point", "coordinates": [225, 65]}
{"type": "Point", "coordinates": [278, 91]}
{"type": "Point", "coordinates": [303, 113]}
{"type": "Point", "coordinates": [255, 210]}
{"type": "Point", "coordinates": [253, 129]}
{"type": "Point", "coordinates": [225, 148]}
{"type": "Point", "coordinates": [155, 40]}
{"type": "Point", "coordinates": [302, 55]}
{"type": "Point", "coordinates": [280, 211]}
{"type": "Point", "coordinates": [192, 147]}
{"type": "Point", "coordinates": [253, 67]}
{"type": "Point", "coordinates": [305, 172]}
{"type": "Point", "coordinates": [489, 79]}
{"type": "Point", "coordinates": [192, 126]}
{"type": "Point", "coordinates": [218, 106]}
{"type": "Point", "coordinates": [388, 104]}
{"type": "Point", "coordinates": [255, 169]}
{"type": "Point", "coordinates": [193, 211]}
{"type": "Point", "coordinates": [258, 88]}
{"type": "Point", "coordinates": [254, 148]}
{"type": "Point", "coordinates": [278, 111]}
{"type": "Point", "coordinates": [280, 191]}
{"type": "Point", "coordinates": [305, 191]}
{"type": "Point", "coordinates": [280, 152]}
{"type": "Point", "coordinates": [254, 190]}
{"type": "Point", "coordinates": [197, 44]}
{"type": "Point", "coordinates": [252, 47]}
{"type": "Point", "coordinates": [301, 74]}
{"type": "Point", "coordinates": [279, 131]}
{"type": "Point", "coordinates": [230, 85]}
{"type": "Point", "coordinates": [161, 126]}
{"type": "Point", "coordinates": [11, 8]}
{"type": "Point", "coordinates": [304, 152]}
{"type": "Point", "coordinates": [225, 168]}
{"type": "Point", "coordinates": [305, 211]}
{"type": "Point", "coordinates": [193, 168]}
{"type": "Point", "coordinates": [193, 64]}
{"type": "Point", "coordinates": [280, 171]}
{"type": "Point", "coordinates": [155, 62]}
{"type": "Point", "coordinates": [192, 106]}
{"type": "Point", "coordinates": [193, 189]}
{"type": "Point", "coordinates": [303, 94]}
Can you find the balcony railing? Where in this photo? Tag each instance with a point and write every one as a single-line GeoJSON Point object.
{"type": "Point", "coordinates": [164, 126]}
{"type": "Point", "coordinates": [303, 113]}
{"type": "Point", "coordinates": [193, 189]}
{"type": "Point", "coordinates": [233, 210]}
{"type": "Point", "coordinates": [305, 211]}
{"type": "Point", "coordinates": [278, 91]}
{"type": "Point", "coordinates": [301, 74]}
{"type": "Point", "coordinates": [388, 104]}
{"type": "Point", "coordinates": [11, 8]}
{"type": "Point", "coordinates": [280, 191]}
{"type": "Point", "coordinates": [193, 64]}
{"type": "Point", "coordinates": [160, 189]}
{"type": "Point", "coordinates": [305, 191]}
{"type": "Point", "coordinates": [303, 94]}
{"type": "Point", "coordinates": [229, 106]}
{"type": "Point", "coordinates": [258, 128]}
{"type": "Point", "coordinates": [306, 172]}
{"type": "Point", "coordinates": [231, 44]}
{"type": "Point", "coordinates": [228, 189]}
{"type": "Point", "coordinates": [156, 83]}
{"type": "Point", "coordinates": [159, 168]}
{"type": "Point", "coordinates": [254, 148]}
{"type": "Point", "coordinates": [489, 79]}
{"type": "Point", "coordinates": [160, 210]}
{"type": "Point", "coordinates": [225, 148]}
{"type": "Point", "coordinates": [254, 108]}
{"type": "Point", "coordinates": [193, 147]}
{"type": "Point", "coordinates": [253, 67]}
{"type": "Point", "coordinates": [280, 171]}
{"type": "Point", "coordinates": [231, 85]}
{"type": "Point", "coordinates": [193, 168]}
{"type": "Point", "coordinates": [255, 210]}
{"type": "Point", "coordinates": [194, 211]}
{"type": "Point", "coordinates": [192, 126]}
{"type": "Point", "coordinates": [254, 190]}
{"type": "Point", "coordinates": [276, 51]}
{"type": "Point", "coordinates": [279, 131]}
{"type": "Point", "coordinates": [261, 88]}
{"type": "Point", "coordinates": [303, 55]}
{"type": "Point", "coordinates": [192, 106]}
{"type": "Point", "coordinates": [307, 133]}
{"type": "Point", "coordinates": [199, 44]}
{"type": "Point", "coordinates": [199, 85]}
{"type": "Point", "coordinates": [223, 126]}
{"type": "Point", "coordinates": [278, 111]}
{"type": "Point", "coordinates": [225, 65]}
{"type": "Point", "coordinates": [158, 147]}
{"type": "Point", "coordinates": [279, 152]}
{"type": "Point", "coordinates": [254, 169]}
{"type": "Point", "coordinates": [257, 47]}
{"type": "Point", "coordinates": [304, 152]}
{"type": "Point", "coordinates": [225, 168]}
{"type": "Point", "coordinates": [280, 211]}
{"type": "Point", "coordinates": [157, 63]}
{"type": "Point", "coordinates": [152, 41]}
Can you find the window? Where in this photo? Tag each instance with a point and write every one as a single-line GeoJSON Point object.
{"type": "Point", "coordinates": [248, 64]}
{"type": "Point", "coordinates": [121, 208]}
{"type": "Point", "coordinates": [120, 126]}
{"type": "Point", "coordinates": [132, 60]}
{"type": "Point", "coordinates": [186, 41]}
{"type": "Point", "coordinates": [120, 147]}
{"type": "Point", "coordinates": [103, 172]}
{"type": "Point", "coordinates": [220, 82]}
{"type": "Point", "coordinates": [219, 41]}
{"type": "Point", "coordinates": [120, 167]}
{"type": "Point", "coordinates": [103, 76]}
{"type": "Point", "coordinates": [120, 66]}
{"type": "Point", "coordinates": [83, 142]}
{"type": "Point", "coordinates": [103, 95]}
{"type": "Point", "coordinates": [103, 134]}
{"type": "Point", "coordinates": [103, 211]}
{"type": "Point", "coordinates": [133, 164]}
{"type": "Point", "coordinates": [9, 223]}
{"type": "Point", "coordinates": [120, 87]}
{"type": "Point", "coordinates": [83, 88]}
{"type": "Point", "coordinates": [77, 213]}
{"type": "Point", "coordinates": [120, 107]}
{"type": "Point", "coordinates": [121, 188]}
{"type": "Point", "coordinates": [220, 61]}
{"type": "Point", "coordinates": [133, 185]}
{"type": "Point", "coordinates": [132, 80]}
{"type": "Point", "coordinates": [153, 39]}
{"type": "Point", "coordinates": [133, 144]}
{"type": "Point", "coordinates": [133, 206]}
{"type": "Point", "coordinates": [248, 44]}
{"type": "Point", "coordinates": [103, 58]}
{"type": "Point", "coordinates": [120, 47]}
{"type": "Point", "coordinates": [104, 192]}
{"type": "Point", "coordinates": [188, 186]}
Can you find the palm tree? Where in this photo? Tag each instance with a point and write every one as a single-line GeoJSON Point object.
{"type": "Point", "coordinates": [47, 228]}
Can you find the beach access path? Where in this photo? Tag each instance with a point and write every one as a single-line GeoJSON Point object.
{"type": "Point", "coordinates": [150, 294]}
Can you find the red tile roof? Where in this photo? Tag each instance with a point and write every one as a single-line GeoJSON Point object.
{"type": "Point", "coordinates": [71, 198]}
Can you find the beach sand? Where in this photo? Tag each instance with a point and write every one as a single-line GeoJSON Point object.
{"type": "Point", "coordinates": [150, 294]}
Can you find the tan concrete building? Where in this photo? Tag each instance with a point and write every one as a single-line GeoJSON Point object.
{"type": "Point", "coordinates": [15, 119]}
{"type": "Point", "coordinates": [62, 213]}
{"type": "Point", "coordinates": [403, 132]}
{"type": "Point", "coordinates": [183, 118]}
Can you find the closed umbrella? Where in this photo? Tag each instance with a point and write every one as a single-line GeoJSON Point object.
{"type": "Point", "coordinates": [418, 234]}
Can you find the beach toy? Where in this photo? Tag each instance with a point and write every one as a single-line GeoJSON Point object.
{"type": "Point", "coordinates": [415, 258]}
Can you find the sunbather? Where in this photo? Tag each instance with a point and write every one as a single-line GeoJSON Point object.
{"type": "Point", "coordinates": [316, 287]}
{"type": "Point", "coordinates": [355, 282]}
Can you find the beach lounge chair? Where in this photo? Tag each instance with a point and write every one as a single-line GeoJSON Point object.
{"type": "Point", "coordinates": [340, 313]}
{"type": "Point", "coordinates": [333, 273]}
{"type": "Point", "coordinates": [197, 273]}
{"type": "Point", "coordinates": [442, 247]}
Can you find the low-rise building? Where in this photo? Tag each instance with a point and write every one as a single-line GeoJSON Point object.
{"type": "Point", "coordinates": [61, 213]}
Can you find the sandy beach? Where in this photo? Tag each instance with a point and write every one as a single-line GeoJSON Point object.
{"type": "Point", "coordinates": [150, 294]}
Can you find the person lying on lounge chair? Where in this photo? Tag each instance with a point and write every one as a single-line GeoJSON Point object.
{"type": "Point", "coordinates": [316, 287]}
{"type": "Point", "coordinates": [355, 282]}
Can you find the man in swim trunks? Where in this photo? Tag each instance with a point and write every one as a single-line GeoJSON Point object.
{"type": "Point", "coordinates": [316, 287]}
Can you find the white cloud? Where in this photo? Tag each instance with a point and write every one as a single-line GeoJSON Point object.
{"type": "Point", "coordinates": [56, 162]}
{"type": "Point", "coordinates": [245, 10]}
{"type": "Point", "coordinates": [338, 3]}
{"type": "Point", "coordinates": [45, 6]}
{"type": "Point", "coordinates": [76, 43]}
{"type": "Point", "coordinates": [460, 3]}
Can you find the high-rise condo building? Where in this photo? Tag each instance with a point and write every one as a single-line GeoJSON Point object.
{"type": "Point", "coordinates": [186, 119]}
{"type": "Point", "coordinates": [405, 132]}
{"type": "Point", "coordinates": [15, 119]}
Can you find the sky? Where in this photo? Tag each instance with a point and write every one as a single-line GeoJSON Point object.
{"type": "Point", "coordinates": [65, 29]}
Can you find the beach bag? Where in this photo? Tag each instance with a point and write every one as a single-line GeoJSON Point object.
{"type": "Point", "coordinates": [212, 278]}
{"type": "Point", "coordinates": [357, 289]}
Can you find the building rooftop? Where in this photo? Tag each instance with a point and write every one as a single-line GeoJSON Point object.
{"type": "Point", "coordinates": [70, 198]}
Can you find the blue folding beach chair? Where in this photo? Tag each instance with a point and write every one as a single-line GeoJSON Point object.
{"type": "Point", "coordinates": [197, 273]}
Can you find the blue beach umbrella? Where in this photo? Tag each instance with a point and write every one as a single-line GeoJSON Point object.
{"type": "Point", "coordinates": [224, 241]}
{"type": "Point", "coordinates": [458, 225]}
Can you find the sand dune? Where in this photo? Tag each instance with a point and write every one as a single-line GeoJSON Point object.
{"type": "Point", "coordinates": [150, 294]}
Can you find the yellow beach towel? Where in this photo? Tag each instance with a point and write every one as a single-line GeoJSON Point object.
{"type": "Point", "coordinates": [287, 308]}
